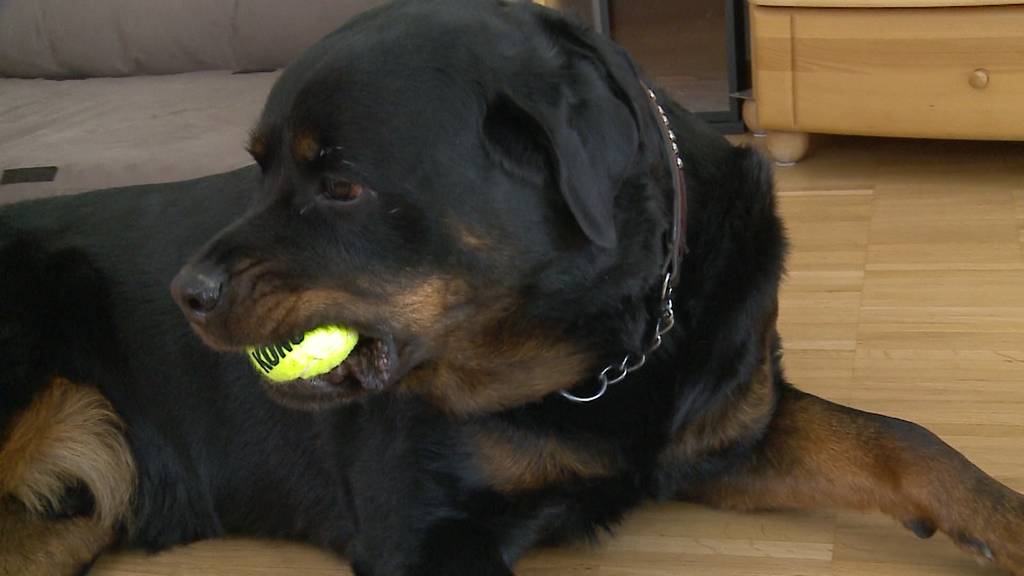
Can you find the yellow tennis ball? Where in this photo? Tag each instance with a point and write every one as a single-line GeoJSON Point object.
{"type": "Point", "coordinates": [316, 352]}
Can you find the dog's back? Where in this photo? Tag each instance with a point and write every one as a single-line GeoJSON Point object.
{"type": "Point", "coordinates": [87, 330]}
{"type": "Point", "coordinates": [67, 262]}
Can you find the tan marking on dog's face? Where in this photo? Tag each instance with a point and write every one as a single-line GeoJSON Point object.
{"type": "Point", "coordinates": [419, 307]}
{"type": "Point", "coordinates": [69, 434]}
{"type": "Point", "coordinates": [305, 147]}
{"type": "Point", "coordinates": [257, 147]}
{"type": "Point", "coordinates": [423, 307]}
{"type": "Point", "coordinates": [472, 354]}
{"type": "Point", "coordinates": [468, 238]}
{"type": "Point", "coordinates": [277, 315]}
{"type": "Point", "coordinates": [483, 369]}
{"type": "Point", "coordinates": [516, 461]}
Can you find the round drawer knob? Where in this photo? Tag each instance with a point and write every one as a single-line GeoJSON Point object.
{"type": "Point", "coordinates": [979, 78]}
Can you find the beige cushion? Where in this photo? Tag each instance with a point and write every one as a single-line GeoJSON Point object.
{"type": "Point", "coordinates": [105, 132]}
{"type": "Point", "coordinates": [83, 38]}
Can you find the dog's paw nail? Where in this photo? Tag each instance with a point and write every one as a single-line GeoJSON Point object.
{"type": "Point", "coordinates": [976, 545]}
{"type": "Point", "coordinates": [921, 528]}
{"type": "Point", "coordinates": [985, 551]}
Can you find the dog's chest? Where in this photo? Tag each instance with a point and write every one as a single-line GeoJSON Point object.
{"type": "Point", "coordinates": [513, 460]}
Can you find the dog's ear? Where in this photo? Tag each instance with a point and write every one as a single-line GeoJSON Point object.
{"type": "Point", "coordinates": [584, 116]}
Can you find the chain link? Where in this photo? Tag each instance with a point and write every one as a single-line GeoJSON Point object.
{"type": "Point", "coordinates": [615, 373]}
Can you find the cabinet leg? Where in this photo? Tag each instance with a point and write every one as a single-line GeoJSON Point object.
{"type": "Point", "coordinates": [788, 148]}
{"type": "Point", "coordinates": [751, 120]}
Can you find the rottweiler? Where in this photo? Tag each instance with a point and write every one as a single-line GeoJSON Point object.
{"type": "Point", "coordinates": [557, 323]}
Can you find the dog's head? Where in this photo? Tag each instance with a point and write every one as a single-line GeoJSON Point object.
{"type": "Point", "coordinates": [466, 183]}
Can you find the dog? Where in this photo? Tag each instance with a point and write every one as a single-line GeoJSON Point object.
{"type": "Point", "coordinates": [556, 324]}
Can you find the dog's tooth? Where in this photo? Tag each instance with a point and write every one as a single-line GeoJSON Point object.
{"type": "Point", "coordinates": [337, 375]}
{"type": "Point", "coordinates": [367, 368]}
{"type": "Point", "coordinates": [382, 361]}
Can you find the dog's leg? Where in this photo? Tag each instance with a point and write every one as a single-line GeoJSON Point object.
{"type": "Point", "coordinates": [816, 453]}
{"type": "Point", "coordinates": [66, 481]}
{"type": "Point", "coordinates": [456, 548]}
{"type": "Point", "coordinates": [452, 547]}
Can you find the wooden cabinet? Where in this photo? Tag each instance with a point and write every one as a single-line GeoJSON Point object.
{"type": "Point", "coordinates": [916, 68]}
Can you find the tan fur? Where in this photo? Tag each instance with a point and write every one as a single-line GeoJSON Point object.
{"type": "Point", "coordinates": [32, 546]}
{"type": "Point", "coordinates": [69, 434]}
{"type": "Point", "coordinates": [488, 371]}
{"type": "Point", "coordinates": [731, 421]}
{"type": "Point", "coordinates": [480, 363]}
{"type": "Point", "coordinates": [424, 307]}
{"type": "Point", "coordinates": [257, 147]}
{"type": "Point", "coordinates": [270, 314]}
{"type": "Point", "coordinates": [819, 454]}
{"type": "Point", "coordinates": [482, 360]}
{"type": "Point", "coordinates": [517, 461]}
{"type": "Point", "coordinates": [305, 147]}
{"type": "Point", "coordinates": [735, 417]}
{"type": "Point", "coordinates": [468, 238]}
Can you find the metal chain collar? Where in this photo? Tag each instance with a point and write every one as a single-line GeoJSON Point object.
{"type": "Point", "coordinates": [614, 373]}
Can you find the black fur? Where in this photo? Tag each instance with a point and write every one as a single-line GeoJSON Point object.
{"type": "Point", "coordinates": [499, 115]}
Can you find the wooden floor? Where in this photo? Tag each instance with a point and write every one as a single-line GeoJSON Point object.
{"type": "Point", "coordinates": [905, 296]}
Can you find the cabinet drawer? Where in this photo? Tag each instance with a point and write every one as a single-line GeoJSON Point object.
{"type": "Point", "coordinates": [924, 72]}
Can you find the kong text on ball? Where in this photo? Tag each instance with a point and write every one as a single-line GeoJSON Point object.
{"type": "Point", "coordinates": [314, 353]}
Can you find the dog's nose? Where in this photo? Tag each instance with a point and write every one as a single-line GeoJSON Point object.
{"type": "Point", "coordinates": [199, 289]}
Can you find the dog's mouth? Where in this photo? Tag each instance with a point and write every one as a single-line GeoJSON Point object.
{"type": "Point", "coordinates": [367, 366]}
{"type": "Point", "coordinates": [372, 366]}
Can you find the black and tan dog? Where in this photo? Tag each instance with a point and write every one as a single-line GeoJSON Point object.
{"type": "Point", "coordinates": [482, 189]}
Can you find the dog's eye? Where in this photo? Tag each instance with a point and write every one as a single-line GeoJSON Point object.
{"type": "Point", "coordinates": [340, 190]}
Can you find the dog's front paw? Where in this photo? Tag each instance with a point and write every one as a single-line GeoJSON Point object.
{"type": "Point", "coordinates": [998, 538]}
{"type": "Point", "coordinates": [991, 529]}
